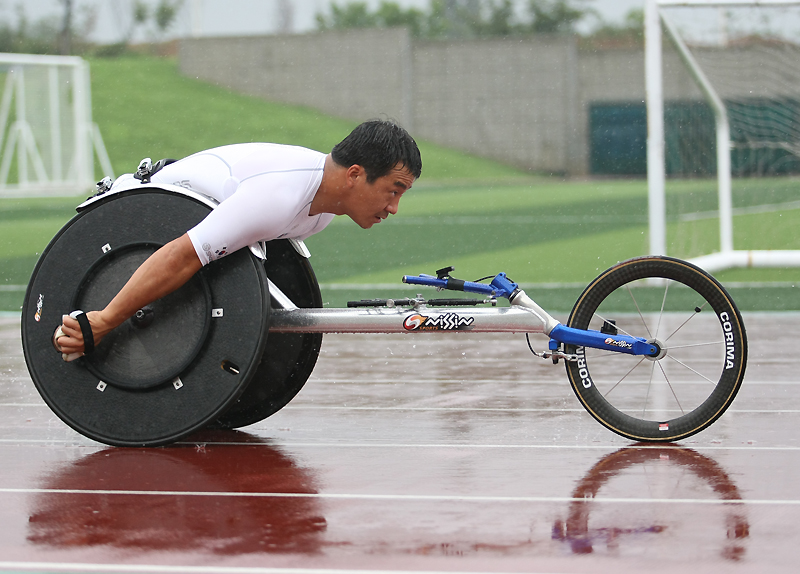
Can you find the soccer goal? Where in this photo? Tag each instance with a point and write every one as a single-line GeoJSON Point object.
{"type": "Point", "coordinates": [48, 141]}
{"type": "Point", "coordinates": [723, 105]}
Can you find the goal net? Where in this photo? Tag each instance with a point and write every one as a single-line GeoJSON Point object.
{"type": "Point", "coordinates": [48, 141]}
{"type": "Point", "coordinates": [723, 88]}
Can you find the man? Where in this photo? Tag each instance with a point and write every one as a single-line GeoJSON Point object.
{"type": "Point", "coordinates": [267, 191]}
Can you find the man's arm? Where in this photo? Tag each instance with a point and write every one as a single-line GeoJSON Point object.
{"type": "Point", "coordinates": [163, 272]}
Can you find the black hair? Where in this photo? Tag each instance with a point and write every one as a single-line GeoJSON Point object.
{"type": "Point", "coordinates": [378, 146]}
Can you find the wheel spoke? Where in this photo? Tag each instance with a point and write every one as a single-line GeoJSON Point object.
{"type": "Point", "coordinates": [623, 378]}
{"type": "Point", "coordinates": [696, 345]}
{"type": "Point", "coordinates": [693, 370]}
{"type": "Point", "coordinates": [649, 386]}
{"type": "Point", "coordinates": [696, 312]}
{"type": "Point", "coordinates": [666, 378]}
{"type": "Point", "coordinates": [663, 303]}
{"type": "Point", "coordinates": [638, 310]}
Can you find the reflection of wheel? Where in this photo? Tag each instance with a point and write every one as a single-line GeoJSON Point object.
{"type": "Point", "coordinates": [165, 374]}
{"type": "Point", "coordinates": [289, 358]}
{"type": "Point", "coordinates": [694, 321]}
{"type": "Point", "coordinates": [586, 526]}
{"type": "Point", "coordinates": [64, 516]}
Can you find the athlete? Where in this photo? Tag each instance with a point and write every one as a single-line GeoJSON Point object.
{"type": "Point", "coordinates": [266, 192]}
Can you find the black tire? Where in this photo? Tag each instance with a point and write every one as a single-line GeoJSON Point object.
{"type": "Point", "coordinates": [153, 384]}
{"type": "Point", "coordinates": [702, 363]}
{"type": "Point", "coordinates": [289, 358]}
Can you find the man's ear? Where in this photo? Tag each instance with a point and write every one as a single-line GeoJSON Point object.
{"type": "Point", "coordinates": [354, 172]}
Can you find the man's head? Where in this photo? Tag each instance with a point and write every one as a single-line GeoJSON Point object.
{"type": "Point", "coordinates": [379, 146]}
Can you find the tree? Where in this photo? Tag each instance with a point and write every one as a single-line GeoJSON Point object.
{"type": "Point", "coordinates": [554, 16]}
{"type": "Point", "coordinates": [391, 15]}
{"type": "Point", "coordinates": [162, 17]}
{"type": "Point", "coordinates": [65, 37]}
{"type": "Point", "coordinates": [628, 34]}
{"type": "Point", "coordinates": [353, 15]}
{"type": "Point", "coordinates": [461, 18]}
{"type": "Point", "coordinates": [165, 13]}
{"type": "Point", "coordinates": [357, 15]}
{"type": "Point", "coordinates": [51, 34]}
{"type": "Point", "coordinates": [499, 21]}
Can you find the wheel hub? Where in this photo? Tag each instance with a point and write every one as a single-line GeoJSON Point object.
{"type": "Point", "coordinates": [662, 350]}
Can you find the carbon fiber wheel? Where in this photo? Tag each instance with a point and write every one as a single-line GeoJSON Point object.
{"type": "Point", "coordinates": [288, 358]}
{"type": "Point", "coordinates": [146, 384]}
{"type": "Point", "coordinates": [701, 334]}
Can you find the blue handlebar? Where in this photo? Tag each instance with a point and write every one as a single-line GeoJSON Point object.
{"type": "Point", "coordinates": [501, 286]}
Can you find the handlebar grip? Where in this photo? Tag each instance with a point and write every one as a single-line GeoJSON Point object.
{"type": "Point", "coordinates": [450, 283]}
{"type": "Point", "coordinates": [427, 280]}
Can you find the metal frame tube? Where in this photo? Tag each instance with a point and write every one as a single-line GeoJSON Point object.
{"type": "Point", "coordinates": [514, 319]}
{"type": "Point", "coordinates": [722, 134]}
{"type": "Point", "coordinates": [656, 168]}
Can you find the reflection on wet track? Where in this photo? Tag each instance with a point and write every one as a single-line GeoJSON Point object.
{"type": "Point", "coordinates": [647, 466]}
{"type": "Point", "coordinates": [62, 517]}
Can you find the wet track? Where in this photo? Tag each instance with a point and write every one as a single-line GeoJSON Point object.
{"type": "Point", "coordinates": [456, 453]}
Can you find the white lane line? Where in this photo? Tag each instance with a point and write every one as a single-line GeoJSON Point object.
{"type": "Point", "coordinates": [401, 497]}
{"type": "Point", "coordinates": [147, 568]}
{"type": "Point", "coordinates": [749, 210]}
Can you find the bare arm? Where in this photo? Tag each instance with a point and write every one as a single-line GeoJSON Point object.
{"type": "Point", "coordinates": [163, 272]}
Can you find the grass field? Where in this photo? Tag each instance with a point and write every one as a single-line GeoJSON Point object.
{"type": "Point", "coordinates": [478, 215]}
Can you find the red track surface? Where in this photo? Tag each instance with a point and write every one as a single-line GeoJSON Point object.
{"type": "Point", "coordinates": [413, 453]}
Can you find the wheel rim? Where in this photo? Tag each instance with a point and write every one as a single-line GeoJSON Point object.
{"type": "Point", "coordinates": [697, 374]}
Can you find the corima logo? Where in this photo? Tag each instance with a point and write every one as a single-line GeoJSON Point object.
{"type": "Point", "coordinates": [730, 347]}
{"type": "Point", "coordinates": [446, 322]}
{"type": "Point", "coordinates": [583, 372]}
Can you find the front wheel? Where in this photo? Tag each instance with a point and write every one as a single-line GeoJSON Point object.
{"type": "Point", "coordinates": [694, 321]}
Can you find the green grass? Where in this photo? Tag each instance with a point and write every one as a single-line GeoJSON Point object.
{"type": "Point", "coordinates": [481, 216]}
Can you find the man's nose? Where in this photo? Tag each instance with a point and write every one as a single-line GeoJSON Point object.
{"type": "Point", "coordinates": [393, 207]}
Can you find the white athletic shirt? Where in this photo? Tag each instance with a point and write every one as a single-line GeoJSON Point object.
{"type": "Point", "coordinates": [265, 192]}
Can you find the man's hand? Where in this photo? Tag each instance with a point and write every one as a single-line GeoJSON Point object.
{"type": "Point", "coordinates": [72, 341]}
{"type": "Point", "coordinates": [163, 272]}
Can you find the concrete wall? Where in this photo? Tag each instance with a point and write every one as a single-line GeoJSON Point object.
{"type": "Point", "coordinates": [510, 100]}
{"type": "Point", "coordinates": [354, 74]}
{"type": "Point", "coordinates": [523, 102]}
{"type": "Point", "coordinates": [507, 100]}
{"type": "Point", "coordinates": [618, 76]}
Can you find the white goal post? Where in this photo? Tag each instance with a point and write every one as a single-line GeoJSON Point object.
{"type": "Point", "coordinates": [727, 256]}
{"type": "Point", "coordinates": [48, 141]}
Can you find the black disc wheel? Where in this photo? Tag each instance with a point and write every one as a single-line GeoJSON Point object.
{"type": "Point", "coordinates": [288, 358]}
{"type": "Point", "coordinates": [161, 340]}
{"type": "Point", "coordinates": [175, 366]}
{"type": "Point", "coordinates": [702, 342]}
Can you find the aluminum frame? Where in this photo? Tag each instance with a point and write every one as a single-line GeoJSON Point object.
{"type": "Point", "coordinates": [524, 316]}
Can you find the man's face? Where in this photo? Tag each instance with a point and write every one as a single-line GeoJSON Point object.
{"type": "Point", "coordinates": [374, 202]}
